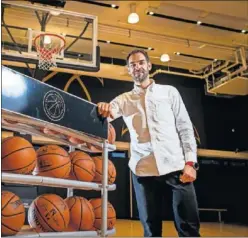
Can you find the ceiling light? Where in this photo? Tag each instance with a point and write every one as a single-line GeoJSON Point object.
{"type": "Point", "coordinates": [215, 60]}
{"type": "Point", "coordinates": [177, 53]}
{"type": "Point", "coordinates": [108, 41]}
{"type": "Point", "coordinates": [133, 16]}
{"type": "Point", "coordinates": [47, 40]}
{"type": "Point", "coordinates": [243, 31]}
{"type": "Point", "coordinates": [199, 23]}
{"type": "Point", "coordinates": [113, 6]}
{"type": "Point", "coordinates": [151, 13]}
{"type": "Point", "coordinates": [165, 58]}
{"type": "Point", "coordinates": [149, 48]}
{"type": "Point", "coordinates": [55, 13]}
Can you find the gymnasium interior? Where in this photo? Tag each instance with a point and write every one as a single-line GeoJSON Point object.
{"type": "Point", "coordinates": [65, 170]}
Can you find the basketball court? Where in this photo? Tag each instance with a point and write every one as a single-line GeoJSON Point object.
{"type": "Point", "coordinates": [74, 180]}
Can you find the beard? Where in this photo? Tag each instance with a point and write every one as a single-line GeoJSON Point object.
{"type": "Point", "coordinates": [140, 76]}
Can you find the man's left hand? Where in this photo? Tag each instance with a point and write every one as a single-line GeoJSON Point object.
{"type": "Point", "coordinates": [189, 174]}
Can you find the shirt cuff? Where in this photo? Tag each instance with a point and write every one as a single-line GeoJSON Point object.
{"type": "Point", "coordinates": [190, 156]}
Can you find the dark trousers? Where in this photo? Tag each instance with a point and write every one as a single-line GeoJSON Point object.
{"type": "Point", "coordinates": [149, 193]}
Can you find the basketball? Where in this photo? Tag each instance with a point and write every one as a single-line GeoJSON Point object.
{"type": "Point", "coordinates": [82, 216]}
{"type": "Point", "coordinates": [13, 213]}
{"type": "Point", "coordinates": [18, 156]}
{"type": "Point", "coordinates": [97, 206]}
{"type": "Point", "coordinates": [49, 213]}
{"type": "Point", "coordinates": [48, 131]}
{"type": "Point", "coordinates": [82, 166]}
{"type": "Point", "coordinates": [53, 161]}
{"type": "Point", "coordinates": [111, 170]}
{"type": "Point", "coordinates": [111, 134]}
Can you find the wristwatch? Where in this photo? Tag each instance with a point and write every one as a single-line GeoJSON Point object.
{"type": "Point", "coordinates": [195, 165]}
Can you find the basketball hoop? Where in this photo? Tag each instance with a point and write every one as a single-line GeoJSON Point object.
{"type": "Point", "coordinates": [48, 47]}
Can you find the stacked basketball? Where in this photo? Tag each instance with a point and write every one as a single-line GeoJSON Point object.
{"type": "Point", "coordinates": [82, 166]}
{"type": "Point", "coordinates": [53, 161]}
{"type": "Point", "coordinates": [13, 213]}
{"type": "Point", "coordinates": [82, 215]}
{"type": "Point", "coordinates": [99, 165]}
{"type": "Point", "coordinates": [87, 215]}
{"type": "Point", "coordinates": [85, 168]}
{"type": "Point", "coordinates": [49, 213]}
{"type": "Point", "coordinates": [111, 215]}
{"type": "Point", "coordinates": [18, 156]}
{"type": "Point", "coordinates": [96, 149]}
{"type": "Point", "coordinates": [111, 134]}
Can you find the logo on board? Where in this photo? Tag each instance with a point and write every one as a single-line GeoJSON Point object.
{"type": "Point", "coordinates": [54, 105]}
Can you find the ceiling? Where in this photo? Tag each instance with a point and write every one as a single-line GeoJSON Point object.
{"type": "Point", "coordinates": [199, 45]}
{"type": "Point", "coordinates": [169, 36]}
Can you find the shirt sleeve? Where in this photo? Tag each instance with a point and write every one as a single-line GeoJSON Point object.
{"type": "Point", "coordinates": [184, 126]}
{"type": "Point", "coordinates": [116, 108]}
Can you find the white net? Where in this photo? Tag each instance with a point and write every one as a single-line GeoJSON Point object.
{"type": "Point", "coordinates": [47, 59]}
{"type": "Point", "coordinates": [48, 47]}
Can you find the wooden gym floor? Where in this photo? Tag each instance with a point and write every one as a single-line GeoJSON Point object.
{"type": "Point", "coordinates": [130, 228]}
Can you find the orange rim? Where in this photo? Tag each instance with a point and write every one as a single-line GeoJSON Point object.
{"type": "Point", "coordinates": [49, 34]}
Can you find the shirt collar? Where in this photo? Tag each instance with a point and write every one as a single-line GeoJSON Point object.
{"type": "Point", "coordinates": [137, 89]}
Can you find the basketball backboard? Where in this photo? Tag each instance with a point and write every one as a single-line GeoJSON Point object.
{"type": "Point", "coordinates": [22, 22]}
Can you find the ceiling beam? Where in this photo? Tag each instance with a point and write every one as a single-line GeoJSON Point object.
{"type": "Point", "coordinates": [107, 71]}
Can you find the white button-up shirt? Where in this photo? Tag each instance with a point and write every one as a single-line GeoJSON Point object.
{"type": "Point", "coordinates": [162, 135]}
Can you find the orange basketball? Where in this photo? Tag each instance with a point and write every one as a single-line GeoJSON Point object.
{"type": "Point", "coordinates": [111, 134]}
{"type": "Point", "coordinates": [18, 156]}
{"type": "Point", "coordinates": [53, 161]}
{"type": "Point", "coordinates": [13, 213]}
{"type": "Point", "coordinates": [111, 170]}
{"type": "Point", "coordinates": [49, 212]}
{"type": "Point", "coordinates": [97, 206]}
{"type": "Point", "coordinates": [82, 215]}
{"type": "Point", "coordinates": [82, 166]}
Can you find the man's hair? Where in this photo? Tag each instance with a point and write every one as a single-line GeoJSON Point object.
{"type": "Point", "coordinates": [138, 51]}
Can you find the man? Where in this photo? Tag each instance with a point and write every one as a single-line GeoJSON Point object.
{"type": "Point", "coordinates": [163, 148]}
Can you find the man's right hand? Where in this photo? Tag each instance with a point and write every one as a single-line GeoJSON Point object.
{"type": "Point", "coordinates": [104, 109]}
